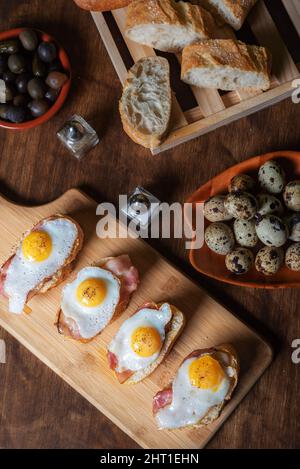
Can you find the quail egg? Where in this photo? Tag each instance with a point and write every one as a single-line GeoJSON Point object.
{"type": "Point", "coordinates": [239, 261]}
{"type": "Point", "coordinates": [269, 260]}
{"type": "Point", "coordinates": [241, 182]}
{"type": "Point", "coordinates": [292, 257]}
{"type": "Point", "coordinates": [291, 195]}
{"type": "Point", "coordinates": [245, 233]}
{"type": "Point", "coordinates": [268, 204]}
{"type": "Point", "coordinates": [241, 205]}
{"type": "Point", "coordinates": [214, 209]}
{"type": "Point", "coordinates": [271, 177]}
{"type": "Point", "coordinates": [271, 230]}
{"type": "Point", "coordinates": [219, 238]}
{"type": "Point", "coordinates": [293, 223]}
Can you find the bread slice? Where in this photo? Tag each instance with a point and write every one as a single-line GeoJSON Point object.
{"type": "Point", "coordinates": [175, 328]}
{"type": "Point", "coordinates": [102, 5]}
{"type": "Point", "coordinates": [226, 64]}
{"type": "Point", "coordinates": [61, 274]}
{"type": "Point", "coordinates": [233, 12]}
{"type": "Point", "coordinates": [227, 356]}
{"type": "Point", "coordinates": [145, 105]}
{"type": "Point", "coordinates": [166, 25]}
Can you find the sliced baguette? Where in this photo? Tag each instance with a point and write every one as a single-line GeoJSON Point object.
{"type": "Point", "coordinates": [233, 12]}
{"type": "Point", "coordinates": [166, 25]}
{"type": "Point", "coordinates": [227, 356]}
{"type": "Point", "coordinates": [145, 105]}
{"type": "Point", "coordinates": [226, 64]}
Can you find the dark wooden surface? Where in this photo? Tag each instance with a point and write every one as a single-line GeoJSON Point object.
{"type": "Point", "coordinates": [37, 409]}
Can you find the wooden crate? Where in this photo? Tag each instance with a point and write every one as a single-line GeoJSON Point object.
{"type": "Point", "coordinates": [272, 23]}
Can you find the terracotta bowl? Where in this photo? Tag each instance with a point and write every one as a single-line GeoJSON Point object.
{"type": "Point", "coordinates": [62, 55]}
{"type": "Point", "coordinates": [213, 265]}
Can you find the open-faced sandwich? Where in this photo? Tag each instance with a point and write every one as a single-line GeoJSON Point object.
{"type": "Point", "coordinates": [204, 382]}
{"type": "Point", "coordinates": [144, 340]}
{"type": "Point", "coordinates": [97, 295]}
{"type": "Point", "coordinates": [43, 259]}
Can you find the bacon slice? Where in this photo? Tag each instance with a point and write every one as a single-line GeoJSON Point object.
{"type": "Point", "coordinates": [162, 399]}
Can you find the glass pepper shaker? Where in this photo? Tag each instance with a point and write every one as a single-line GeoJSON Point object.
{"type": "Point", "coordinates": [78, 136]}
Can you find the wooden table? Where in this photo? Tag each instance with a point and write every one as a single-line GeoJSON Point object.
{"type": "Point", "coordinates": [37, 409]}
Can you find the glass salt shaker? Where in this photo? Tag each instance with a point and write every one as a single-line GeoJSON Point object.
{"type": "Point", "coordinates": [78, 136]}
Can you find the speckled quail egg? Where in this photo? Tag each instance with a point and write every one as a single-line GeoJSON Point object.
{"type": "Point", "coordinates": [269, 260]}
{"type": "Point", "coordinates": [214, 209]}
{"type": "Point", "coordinates": [241, 182]}
{"type": "Point", "coordinates": [239, 261]}
{"type": "Point", "coordinates": [271, 177]}
{"type": "Point", "coordinates": [293, 222]}
{"type": "Point", "coordinates": [292, 257]}
{"type": "Point", "coordinates": [219, 238]}
{"type": "Point", "coordinates": [271, 230]}
{"type": "Point", "coordinates": [291, 195]}
{"type": "Point", "coordinates": [268, 204]}
{"type": "Point", "coordinates": [245, 233]}
{"type": "Point", "coordinates": [241, 205]}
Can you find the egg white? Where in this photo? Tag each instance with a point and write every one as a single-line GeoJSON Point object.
{"type": "Point", "coordinates": [121, 343]}
{"type": "Point", "coordinates": [91, 320]}
{"type": "Point", "coordinates": [190, 404]}
{"type": "Point", "coordinates": [23, 276]}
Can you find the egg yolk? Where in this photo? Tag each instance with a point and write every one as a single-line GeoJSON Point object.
{"type": "Point", "coordinates": [145, 341]}
{"type": "Point", "coordinates": [37, 246]}
{"type": "Point", "coordinates": [91, 292]}
{"type": "Point", "coordinates": [206, 373]}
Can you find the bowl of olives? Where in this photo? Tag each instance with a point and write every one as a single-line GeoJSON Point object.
{"type": "Point", "coordinates": [35, 78]}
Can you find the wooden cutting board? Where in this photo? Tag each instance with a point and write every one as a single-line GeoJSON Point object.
{"type": "Point", "coordinates": [84, 366]}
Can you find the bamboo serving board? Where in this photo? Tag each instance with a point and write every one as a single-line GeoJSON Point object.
{"type": "Point", "coordinates": [273, 24]}
{"type": "Point", "coordinates": [84, 366]}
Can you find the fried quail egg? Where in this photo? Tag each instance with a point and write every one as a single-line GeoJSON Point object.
{"type": "Point", "coordinates": [91, 300]}
{"type": "Point", "coordinates": [292, 257]}
{"type": "Point", "coordinates": [239, 261]}
{"type": "Point", "coordinates": [241, 205]}
{"type": "Point", "coordinates": [291, 195]}
{"type": "Point", "coordinates": [271, 230]}
{"type": "Point", "coordinates": [219, 238]}
{"type": "Point", "coordinates": [42, 252]}
{"type": "Point", "coordinates": [214, 209]}
{"type": "Point", "coordinates": [241, 183]}
{"type": "Point", "coordinates": [269, 260]}
{"type": "Point", "coordinates": [269, 204]}
{"type": "Point", "coordinates": [245, 233]}
{"type": "Point", "coordinates": [139, 341]}
{"type": "Point", "coordinates": [271, 177]}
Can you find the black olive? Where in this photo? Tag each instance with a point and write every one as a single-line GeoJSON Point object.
{"type": "Point", "coordinates": [39, 68]}
{"type": "Point", "coordinates": [56, 80]}
{"type": "Point", "coordinates": [3, 63]}
{"type": "Point", "coordinates": [22, 81]}
{"type": "Point", "coordinates": [21, 100]}
{"type": "Point", "coordinates": [3, 111]}
{"type": "Point", "coordinates": [47, 51]}
{"type": "Point", "coordinates": [16, 114]}
{"type": "Point", "coordinates": [55, 66]}
{"type": "Point", "coordinates": [52, 95]}
{"type": "Point", "coordinates": [38, 107]}
{"type": "Point", "coordinates": [36, 88]}
{"type": "Point", "coordinates": [9, 77]}
{"type": "Point", "coordinates": [10, 46]}
{"type": "Point", "coordinates": [29, 39]}
{"type": "Point", "coordinates": [16, 63]}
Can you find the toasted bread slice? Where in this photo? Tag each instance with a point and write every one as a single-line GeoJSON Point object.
{"type": "Point", "coordinates": [226, 355]}
{"type": "Point", "coordinates": [102, 5]}
{"type": "Point", "coordinates": [233, 12]}
{"type": "Point", "coordinates": [166, 25]}
{"type": "Point", "coordinates": [128, 281]}
{"type": "Point", "coordinates": [145, 105]}
{"type": "Point", "coordinates": [59, 276]}
{"type": "Point", "coordinates": [173, 331]}
{"type": "Point", "coordinates": [226, 64]}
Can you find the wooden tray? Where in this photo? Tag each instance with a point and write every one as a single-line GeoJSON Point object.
{"type": "Point", "coordinates": [84, 366]}
{"type": "Point", "coordinates": [274, 24]}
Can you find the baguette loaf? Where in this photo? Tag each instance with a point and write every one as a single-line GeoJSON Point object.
{"type": "Point", "coordinates": [145, 105]}
{"type": "Point", "coordinates": [102, 5]}
{"type": "Point", "coordinates": [226, 64]}
{"type": "Point", "coordinates": [166, 25]}
{"type": "Point", "coordinates": [233, 12]}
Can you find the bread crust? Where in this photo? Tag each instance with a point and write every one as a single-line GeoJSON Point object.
{"type": "Point", "coordinates": [215, 411]}
{"type": "Point", "coordinates": [102, 5]}
{"type": "Point", "coordinates": [238, 9]}
{"type": "Point", "coordinates": [226, 53]}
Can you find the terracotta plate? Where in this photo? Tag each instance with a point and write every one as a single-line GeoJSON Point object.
{"type": "Point", "coordinates": [213, 265]}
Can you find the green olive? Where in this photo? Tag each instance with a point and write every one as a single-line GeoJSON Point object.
{"type": "Point", "coordinates": [56, 80]}
{"type": "Point", "coordinates": [3, 111]}
{"type": "Point", "coordinates": [38, 107]}
{"type": "Point", "coordinates": [39, 68]}
{"type": "Point", "coordinates": [29, 39]}
{"type": "Point", "coordinates": [36, 88]}
{"type": "Point", "coordinates": [16, 63]}
{"type": "Point", "coordinates": [10, 46]}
